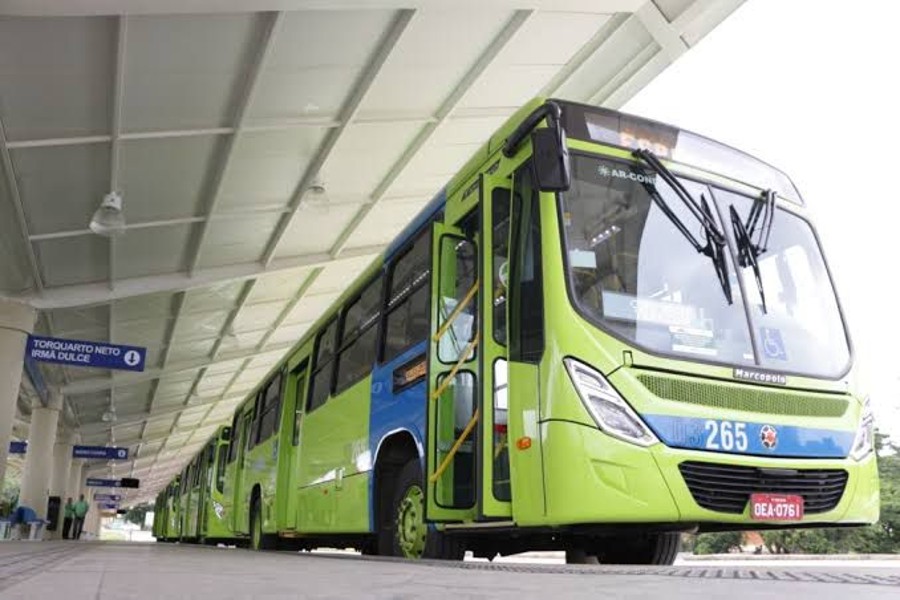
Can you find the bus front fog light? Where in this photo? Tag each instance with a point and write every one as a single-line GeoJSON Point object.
{"type": "Point", "coordinates": [864, 442]}
{"type": "Point", "coordinates": [610, 411]}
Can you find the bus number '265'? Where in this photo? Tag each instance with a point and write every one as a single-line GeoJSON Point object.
{"type": "Point", "coordinates": [726, 435]}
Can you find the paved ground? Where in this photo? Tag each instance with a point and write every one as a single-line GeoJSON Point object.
{"type": "Point", "coordinates": [123, 571]}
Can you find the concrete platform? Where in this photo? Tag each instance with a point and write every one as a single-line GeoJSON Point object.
{"type": "Point", "coordinates": [122, 571]}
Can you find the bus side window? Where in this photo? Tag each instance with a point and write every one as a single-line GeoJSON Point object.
{"type": "Point", "coordinates": [256, 411]}
{"type": "Point", "coordinates": [233, 435]}
{"type": "Point", "coordinates": [220, 471]}
{"type": "Point", "coordinates": [499, 258]}
{"type": "Point", "coordinates": [526, 326]}
{"type": "Point", "coordinates": [408, 294]}
{"type": "Point", "coordinates": [270, 408]}
{"type": "Point", "coordinates": [320, 387]}
{"type": "Point", "coordinates": [457, 298]}
{"type": "Point", "coordinates": [359, 336]}
{"type": "Point", "coordinates": [300, 373]}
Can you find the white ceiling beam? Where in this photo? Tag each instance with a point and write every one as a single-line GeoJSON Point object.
{"type": "Point", "coordinates": [136, 442]}
{"type": "Point", "coordinates": [220, 216]}
{"type": "Point", "coordinates": [609, 87]}
{"type": "Point", "coordinates": [348, 111]}
{"type": "Point", "coordinates": [164, 449]}
{"type": "Point", "coordinates": [289, 307]}
{"type": "Point", "coordinates": [71, 296]}
{"type": "Point", "coordinates": [226, 326]}
{"type": "Point", "coordinates": [696, 9]}
{"type": "Point", "coordinates": [398, 117]}
{"type": "Point", "coordinates": [13, 187]}
{"type": "Point", "coordinates": [99, 384]}
{"type": "Point", "coordinates": [656, 24]}
{"type": "Point", "coordinates": [440, 117]}
{"type": "Point", "coordinates": [118, 100]}
{"type": "Point", "coordinates": [167, 352]}
{"type": "Point", "coordinates": [99, 428]}
{"type": "Point", "coordinates": [45, 8]}
{"type": "Point", "coordinates": [606, 31]}
{"type": "Point", "coordinates": [273, 23]}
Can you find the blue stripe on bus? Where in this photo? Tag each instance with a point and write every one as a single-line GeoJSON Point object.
{"type": "Point", "coordinates": [425, 216]}
{"type": "Point", "coordinates": [394, 412]}
{"type": "Point", "coordinates": [790, 441]}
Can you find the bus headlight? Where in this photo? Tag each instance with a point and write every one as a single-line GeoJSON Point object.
{"type": "Point", "coordinates": [612, 414]}
{"type": "Point", "coordinates": [864, 442]}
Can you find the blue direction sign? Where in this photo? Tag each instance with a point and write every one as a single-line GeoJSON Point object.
{"type": "Point", "coordinates": [100, 452]}
{"type": "Point", "coordinates": [86, 354]}
{"type": "Point", "coordinates": [107, 497]}
{"type": "Point", "coordinates": [108, 505]}
{"type": "Point", "coordinates": [97, 482]}
{"type": "Point", "coordinates": [18, 447]}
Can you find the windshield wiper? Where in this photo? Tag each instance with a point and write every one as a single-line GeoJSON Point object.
{"type": "Point", "coordinates": [758, 226]}
{"type": "Point", "coordinates": [747, 252]}
{"type": "Point", "coordinates": [761, 216]}
{"type": "Point", "coordinates": [715, 239]}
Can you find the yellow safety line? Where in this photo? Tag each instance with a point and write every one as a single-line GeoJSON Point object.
{"type": "Point", "coordinates": [446, 462]}
{"type": "Point", "coordinates": [449, 377]}
{"type": "Point", "coordinates": [459, 308]}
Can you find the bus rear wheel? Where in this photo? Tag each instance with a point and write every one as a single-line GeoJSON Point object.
{"type": "Point", "coordinates": [258, 539]}
{"type": "Point", "coordinates": [411, 535]}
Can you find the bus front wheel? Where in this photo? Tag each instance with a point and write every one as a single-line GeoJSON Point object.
{"type": "Point", "coordinates": [412, 537]}
{"type": "Point", "coordinates": [647, 549]}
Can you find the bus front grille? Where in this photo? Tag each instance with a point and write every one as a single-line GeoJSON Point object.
{"type": "Point", "coordinates": [745, 397]}
{"type": "Point", "coordinates": [727, 488]}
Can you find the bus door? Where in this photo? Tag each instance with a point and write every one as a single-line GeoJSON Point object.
{"type": "Point", "coordinates": [240, 508]}
{"type": "Point", "coordinates": [289, 467]}
{"type": "Point", "coordinates": [453, 376]}
{"type": "Point", "coordinates": [206, 473]}
{"type": "Point", "coordinates": [493, 451]}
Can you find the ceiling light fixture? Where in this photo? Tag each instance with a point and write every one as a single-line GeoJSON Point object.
{"type": "Point", "coordinates": [316, 196]}
{"type": "Point", "coordinates": [108, 219]}
{"type": "Point", "coordinates": [317, 186]}
{"type": "Point", "coordinates": [110, 415]}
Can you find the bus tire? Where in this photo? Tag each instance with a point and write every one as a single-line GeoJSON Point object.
{"type": "Point", "coordinates": [579, 556]}
{"type": "Point", "coordinates": [649, 549]}
{"type": "Point", "coordinates": [258, 539]}
{"type": "Point", "coordinates": [411, 535]}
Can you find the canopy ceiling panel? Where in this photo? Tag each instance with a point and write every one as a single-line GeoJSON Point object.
{"type": "Point", "coordinates": [265, 153]}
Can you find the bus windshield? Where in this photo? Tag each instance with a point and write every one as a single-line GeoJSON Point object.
{"type": "Point", "coordinates": [632, 273]}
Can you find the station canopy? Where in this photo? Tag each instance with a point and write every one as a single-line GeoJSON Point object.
{"type": "Point", "coordinates": [264, 159]}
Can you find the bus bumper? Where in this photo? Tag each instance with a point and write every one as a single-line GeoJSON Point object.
{"type": "Point", "coordinates": [592, 478]}
{"type": "Point", "coordinates": [859, 503]}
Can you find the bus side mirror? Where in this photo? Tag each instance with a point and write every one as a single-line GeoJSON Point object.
{"type": "Point", "coordinates": [551, 159]}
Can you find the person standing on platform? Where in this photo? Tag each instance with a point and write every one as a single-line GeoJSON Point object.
{"type": "Point", "coordinates": [80, 509]}
{"type": "Point", "coordinates": [68, 516]}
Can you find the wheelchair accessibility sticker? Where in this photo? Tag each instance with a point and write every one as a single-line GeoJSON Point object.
{"type": "Point", "coordinates": [772, 344]}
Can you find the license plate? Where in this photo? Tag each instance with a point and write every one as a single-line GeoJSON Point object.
{"type": "Point", "coordinates": [776, 507]}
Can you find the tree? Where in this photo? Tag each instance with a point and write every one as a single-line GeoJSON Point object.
{"type": "Point", "coordinates": [9, 494]}
{"type": "Point", "coordinates": [137, 514]}
{"type": "Point", "coordinates": [718, 543]}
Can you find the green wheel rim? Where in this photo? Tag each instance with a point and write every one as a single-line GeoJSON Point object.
{"type": "Point", "coordinates": [411, 527]}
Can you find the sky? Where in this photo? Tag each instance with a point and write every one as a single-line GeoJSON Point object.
{"type": "Point", "coordinates": [812, 88]}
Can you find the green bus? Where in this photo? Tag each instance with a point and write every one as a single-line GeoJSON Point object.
{"type": "Point", "coordinates": [603, 332]}
{"type": "Point", "coordinates": [167, 517]}
{"type": "Point", "coordinates": [190, 508]}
